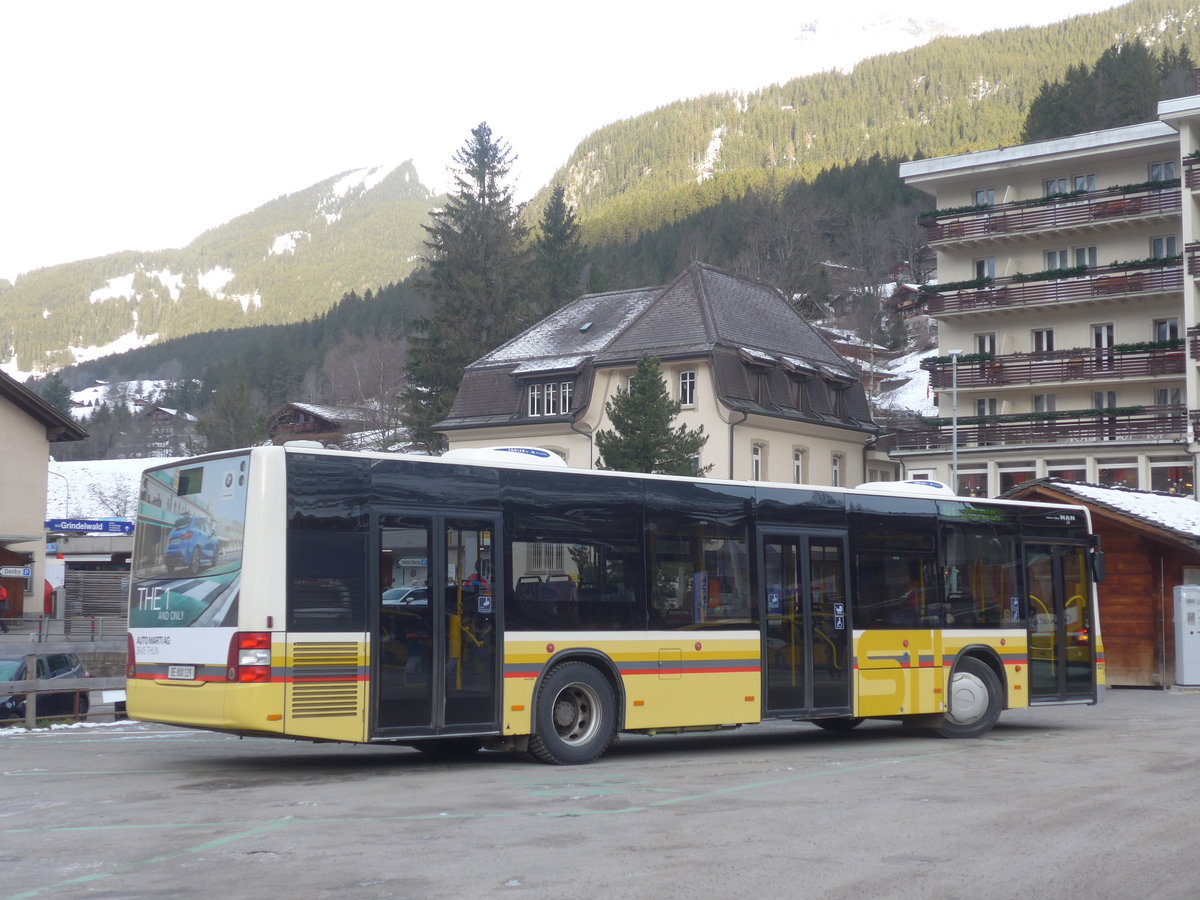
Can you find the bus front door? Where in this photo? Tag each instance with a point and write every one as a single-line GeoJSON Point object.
{"type": "Point", "coordinates": [806, 638]}
{"type": "Point", "coordinates": [436, 641]}
{"type": "Point", "coordinates": [1060, 625]}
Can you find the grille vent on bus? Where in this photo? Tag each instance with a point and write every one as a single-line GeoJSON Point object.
{"type": "Point", "coordinates": [325, 680]}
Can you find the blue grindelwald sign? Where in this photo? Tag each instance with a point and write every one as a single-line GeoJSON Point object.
{"type": "Point", "coordinates": [90, 526]}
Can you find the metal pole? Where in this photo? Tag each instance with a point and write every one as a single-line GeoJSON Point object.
{"type": "Point", "coordinates": [954, 354]}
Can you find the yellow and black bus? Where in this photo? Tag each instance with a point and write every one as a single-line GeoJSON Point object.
{"type": "Point", "coordinates": [451, 603]}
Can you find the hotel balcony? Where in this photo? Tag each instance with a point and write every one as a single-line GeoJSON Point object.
{"type": "Point", "coordinates": [1100, 283]}
{"type": "Point", "coordinates": [1159, 424]}
{"type": "Point", "coordinates": [1070, 212]}
{"type": "Point", "coordinates": [1058, 366]}
{"type": "Point", "coordinates": [1191, 172]}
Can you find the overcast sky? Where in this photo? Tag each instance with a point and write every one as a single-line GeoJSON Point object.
{"type": "Point", "coordinates": [137, 125]}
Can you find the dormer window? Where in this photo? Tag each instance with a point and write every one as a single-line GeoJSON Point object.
{"type": "Point", "coordinates": [550, 398]}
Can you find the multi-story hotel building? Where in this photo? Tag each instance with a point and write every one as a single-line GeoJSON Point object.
{"type": "Point", "coordinates": [1066, 310]}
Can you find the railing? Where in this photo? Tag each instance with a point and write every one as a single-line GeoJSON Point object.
{"type": "Point", "coordinates": [1191, 172]}
{"type": "Point", "coordinates": [1193, 334]}
{"type": "Point", "coordinates": [1192, 253]}
{"type": "Point", "coordinates": [1058, 365]}
{"type": "Point", "coordinates": [33, 688]}
{"type": "Point", "coordinates": [1152, 423]}
{"type": "Point", "coordinates": [1098, 208]}
{"type": "Point", "coordinates": [1108, 282]}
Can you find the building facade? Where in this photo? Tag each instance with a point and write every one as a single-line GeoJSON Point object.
{"type": "Point", "coordinates": [777, 401]}
{"type": "Point", "coordinates": [1063, 307]}
{"type": "Point", "coordinates": [28, 428]}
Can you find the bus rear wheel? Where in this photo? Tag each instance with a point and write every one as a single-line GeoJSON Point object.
{"type": "Point", "coordinates": [575, 716]}
{"type": "Point", "coordinates": [974, 703]}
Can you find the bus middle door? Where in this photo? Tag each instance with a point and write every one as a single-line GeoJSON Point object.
{"type": "Point", "coordinates": [806, 633]}
{"type": "Point", "coordinates": [437, 639]}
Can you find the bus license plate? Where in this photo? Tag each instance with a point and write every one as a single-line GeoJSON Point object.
{"type": "Point", "coordinates": [182, 673]}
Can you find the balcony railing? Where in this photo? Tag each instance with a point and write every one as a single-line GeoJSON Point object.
{"type": "Point", "coordinates": [1191, 172]}
{"type": "Point", "coordinates": [1102, 282]}
{"type": "Point", "coordinates": [1095, 208]}
{"type": "Point", "coordinates": [1055, 366]}
{"type": "Point", "coordinates": [1148, 423]}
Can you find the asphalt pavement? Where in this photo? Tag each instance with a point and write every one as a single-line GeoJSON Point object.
{"type": "Point", "coordinates": [1062, 802]}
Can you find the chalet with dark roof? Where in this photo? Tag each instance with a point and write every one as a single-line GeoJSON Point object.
{"type": "Point", "coordinates": [778, 402]}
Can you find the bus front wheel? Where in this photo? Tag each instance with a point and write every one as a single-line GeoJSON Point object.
{"type": "Point", "coordinates": [575, 716]}
{"type": "Point", "coordinates": [974, 700]}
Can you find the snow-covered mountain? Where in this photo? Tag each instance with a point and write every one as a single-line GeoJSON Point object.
{"type": "Point", "coordinates": [290, 259]}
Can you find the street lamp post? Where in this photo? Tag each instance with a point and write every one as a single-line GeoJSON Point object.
{"type": "Point", "coordinates": [954, 354]}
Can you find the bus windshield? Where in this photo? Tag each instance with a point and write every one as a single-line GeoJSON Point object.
{"type": "Point", "coordinates": [188, 554]}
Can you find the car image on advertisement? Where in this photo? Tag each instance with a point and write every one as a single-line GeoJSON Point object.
{"type": "Point", "coordinates": [49, 666]}
{"type": "Point", "coordinates": [192, 545]}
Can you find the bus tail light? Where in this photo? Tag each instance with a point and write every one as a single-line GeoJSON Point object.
{"type": "Point", "coordinates": [130, 660]}
{"type": "Point", "coordinates": [250, 657]}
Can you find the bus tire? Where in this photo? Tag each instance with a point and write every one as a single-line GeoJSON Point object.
{"type": "Point", "coordinates": [449, 748]}
{"type": "Point", "coordinates": [975, 702]}
{"type": "Point", "coordinates": [840, 725]}
{"type": "Point", "coordinates": [574, 716]}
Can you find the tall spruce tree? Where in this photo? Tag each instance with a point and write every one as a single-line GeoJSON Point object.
{"type": "Point", "coordinates": [55, 392]}
{"type": "Point", "coordinates": [642, 438]}
{"type": "Point", "coordinates": [476, 276]}
{"type": "Point", "coordinates": [558, 258]}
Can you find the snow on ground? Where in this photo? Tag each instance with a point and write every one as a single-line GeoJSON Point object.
{"type": "Point", "coordinates": [96, 488]}
{"type": "Point", "coordinates": [119, 288]}
{"type": "Point", "coordinates": [126, 342]}
{"type": "Point", "coordinates": [286, 243]}
{"type": "Point", "coordinates": [214, 280]}
{"type": "Point", "coordinates": [102, 392]}
{"type": "Point", "coordinates": [914, 395]}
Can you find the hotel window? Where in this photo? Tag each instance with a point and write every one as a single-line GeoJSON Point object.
{"type": "Point", "coordinates": [1055, 186]}
{"type": "Point", "coordinates": [1104, 400]}
{"type": "Point", "coordinates": [986, 342]}
{"type": "Point", "coordinates": [1067, 469]}
{"type": "Point", "coordinates": [835, 473]}
{"type": "Point", "coordinates": [535, 400]}
{"type": "Point", "coordinates": [1164, 245]}
{"type": "Point", "coordinates": [798, 466]}
{"type": "Point", "coordinates": [1014, 473]}
{"type": "Point", "coordinates": [551, 399]}
{"type": "Point", "coordinates": [1084, 182]}
{"type": "Point", "coordinates": [756, 463]}
{"type": "Point", "coordinates": [1086, 256]}
{"type": "Point", "coordinates": [986, 267]}
{"type": "Point", "coordinates": [985, 197]}
{"type": "Point", "coordinates": [1043, 403]}
{"type": "Point", "coordinates": [1117, 472]}
{"type": "Point", "coordinates": [1168, 396]}
{"type": "Point", "coordinates": [1166, 330]}
{"type": "Point", "coordinates": [1162, 171]}
{"type": "Point", "coordinates": [987, 406]}
{"type": "Point", "coordinates": [687, 388]}
{"type": "Point", "coordinates": [1172, 476]}
{"type": "Point", "coordinates": [972, 483]}
{"type": "Point", "coordinates": [1043, 340]}
{"type": "Point", "coordinates": [1056, 259]}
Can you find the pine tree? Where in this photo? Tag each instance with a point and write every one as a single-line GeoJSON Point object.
{"type": "Point", "coordinates": [642, 439]}
{"type": "Point", "coordinates": [557, 255]}
{"type": "Point", "coordinates": [57, 394]}
{"type": "Point", "coordinates": [475, 282]}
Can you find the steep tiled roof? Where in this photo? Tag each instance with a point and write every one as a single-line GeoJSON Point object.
{"type": "Point", "coordinates": [704, 313]}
